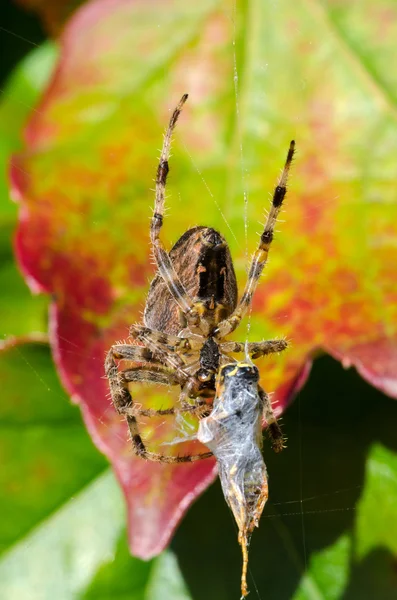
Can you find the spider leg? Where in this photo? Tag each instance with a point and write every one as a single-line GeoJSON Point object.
{"type": "Point", "coordinates": [154, 371]}
{"type": "Point", "coordinates": [151, 373]}
{"type": "Point", "coordinates": [162, 375]}
{"type": "Point", "coordinates": [254, 349]}
{"type": "Point", "coordinates": [133, 353]}
{"type": "Point", "coordinates": [275, 433]}
{"type": "Point", "coordinates": [153, 352]}
{"type": "Point", "coordinates": [122, 400]}
{"type": "Point", "coordinates": [141, 450]}
{"type": "Point", "coordinates": [167, 348]}
{"type": "Point", "coordinates": [156, 356]}
{"type": "Point", "coordinates": [165, 340]}
{"type": "Point", "coordinates": [260, 257]}
{"type": "Point", "coordinates": [163, 261]}
{"type": "Point", "coordinates": [118, 387]}
{"type": "Point", "coordinates": [199, 411]}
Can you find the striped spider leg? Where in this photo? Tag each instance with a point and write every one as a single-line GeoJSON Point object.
{"type": "Point", "coordinates": [260, 257]}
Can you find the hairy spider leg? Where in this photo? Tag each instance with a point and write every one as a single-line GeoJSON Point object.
{"type": "Point", "coordinates": [157, 341]}
{"type": "Point", "coordinates": [163, 375]}
{"type": "Point", "coordinates": [260, 257]}
{"type": "Point", "coordinates": [159, 373]}
{"type": "Point", "coordinates": [273, 427]}
{"type": "Point", "coordinates": [169, 348]}
{"type": "Point", "coordinates": [122, 401]}
{"type": "Point", "coordinates": [152, 373]}
{"type": "Point", "coordinates": [167, 341]}
{"type": "Point", "coordinates": [254, 349]}
{"type": "Point", "coordinates": [163, 261]}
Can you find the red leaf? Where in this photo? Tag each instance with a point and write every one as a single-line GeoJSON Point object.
{"type": "Point", "coordinates": [83, 183]}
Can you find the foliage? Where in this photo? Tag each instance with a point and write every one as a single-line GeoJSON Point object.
{"type": "Point", "coordinates": [82, 180]}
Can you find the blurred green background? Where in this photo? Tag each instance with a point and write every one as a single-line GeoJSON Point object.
{"type": "Point", "coordinates": [329, 531]}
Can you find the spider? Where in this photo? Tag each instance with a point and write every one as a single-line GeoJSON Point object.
{"type": "Point", "coordinates": [191, 308]}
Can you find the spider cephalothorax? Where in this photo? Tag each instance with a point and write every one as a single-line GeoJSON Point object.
{"type": "Point", "coordinates": [192, 306]}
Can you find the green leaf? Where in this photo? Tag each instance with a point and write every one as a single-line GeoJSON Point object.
{"type": "Point", "coordinates": [258, 74]}
{"type": "Point", "coordinates": [327, 573]}
{"type": "Point", "coordinates": [62, 531]}
{"type": "Point", "coordinates": [81, 551]}
{"type": "Point", "coordinates": [372, 547]}
{"type": "Point", "coordinates": [21, 312]}
{"type": "Point", "coordinates": [47, 456]}
{"type": "Point", "coordinates": [62, 553]}
{"type": "Point", "coordinates": [377, 509]}
{"type": "Point", "coordinates": [133, 579]}
{"type": "Point", "coordinates": [18, 100]}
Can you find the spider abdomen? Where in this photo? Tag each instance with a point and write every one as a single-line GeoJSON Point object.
{"type": "Point", "coordinates": [203, 263]}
